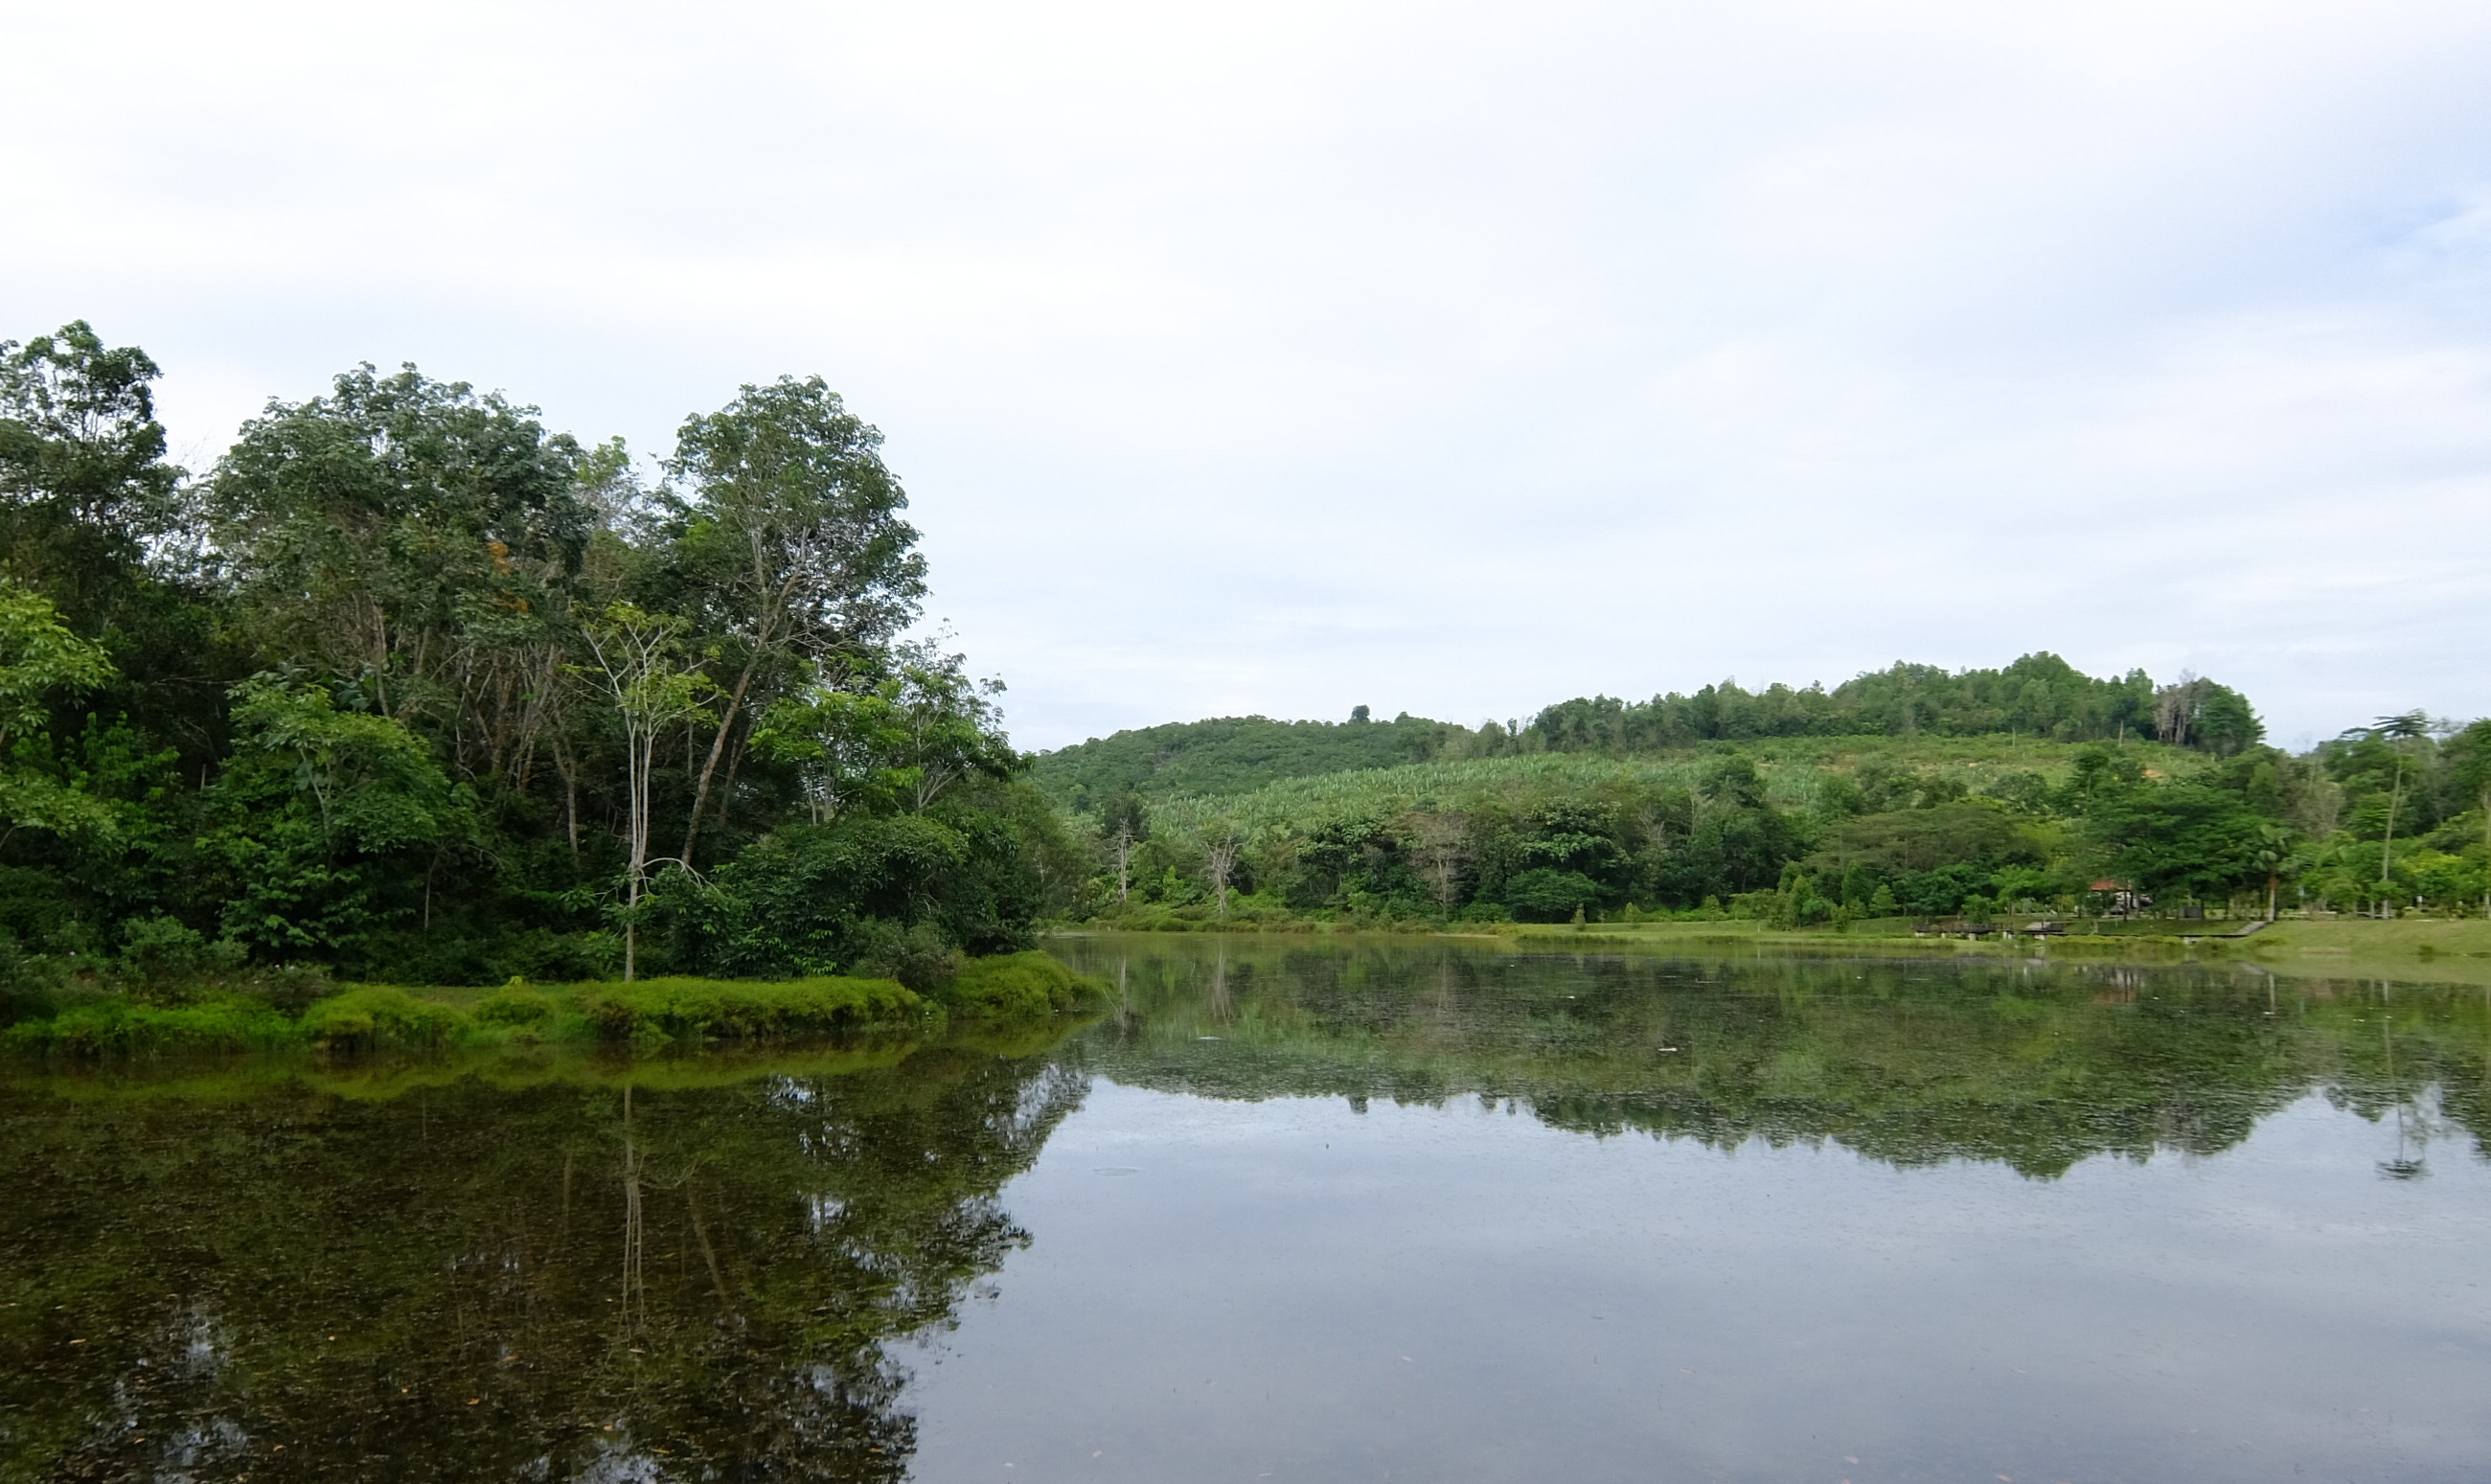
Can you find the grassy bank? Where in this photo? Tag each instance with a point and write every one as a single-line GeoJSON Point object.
{"type": "Point", "coordinates": [2434, 949]}
{"type": "Point", "coordinates": [1004, 989]}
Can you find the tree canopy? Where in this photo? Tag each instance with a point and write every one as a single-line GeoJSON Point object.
{"type": "Point", "coordinates": [408, 686]}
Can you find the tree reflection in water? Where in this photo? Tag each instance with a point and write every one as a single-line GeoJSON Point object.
{"type": "Point", "coordinates": [696, 1268]}
{"type": "Point", "coordinates": [469, 1282]}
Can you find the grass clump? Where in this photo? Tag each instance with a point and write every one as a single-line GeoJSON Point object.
{"type": "Point", "coordinates": [125, 1028]}
{"type": "Point", "coordinates": [1017, 985]}
{"type": "Point", "coordinates": [379, 1015]}
{"type": "Point", "coordinates": [737, 1010]}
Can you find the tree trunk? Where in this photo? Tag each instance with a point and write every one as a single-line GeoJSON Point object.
{"type": "Point", "coordinates": [569, 797]}
{"type": "Point", "coordinates": [717, 748]}
{"type": "Point", "coordinates": [2387, 845]}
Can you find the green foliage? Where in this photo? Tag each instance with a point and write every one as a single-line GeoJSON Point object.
{"type": "Point", "coordinates": [2039, 695]}
{"type": "Point", "coordinates": [894, 895]}
{"type": "Point", "coordinates": [1230, 755]}
{"type": "Point", "coordinates": [413, 687]}
{"type": "Point", "coordinates": [516, 1006]}
{"type": "Point", "coordinates": [1545, 895]}
{"type": "Point", "coordinates": [242, 1013]}
{"type": "Point", "coordinates": [404, 535]}
{"type": "Point", "coordinates": [2184, 837]}
{"type": "Point", "coordinates": [125, 1028]}
{"type": "Point", "coordinates": [84, 489]}
{"type": "Point", "coordinates": [1925, 827]}
{"type": "Point", "coordinates": [374, 1015]}
{"type": "Point", "coordinates": [1019, 985]}
{"type": "Point", "coordinates": [323, 819]}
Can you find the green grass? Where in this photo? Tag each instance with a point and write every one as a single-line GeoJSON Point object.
{"type": "Point", "coordinates": [997, 992]}
{"type": "Point", "coordinates": [119, 1027]}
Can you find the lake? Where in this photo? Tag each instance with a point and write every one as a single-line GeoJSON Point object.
{"type": "Point", "coordinates": [1303, 1209]}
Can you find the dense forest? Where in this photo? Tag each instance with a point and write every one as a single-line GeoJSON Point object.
{"type": "Point", "coordinates": [408, 686]}
{"type": "Point", "coordinates": [2029, 789]}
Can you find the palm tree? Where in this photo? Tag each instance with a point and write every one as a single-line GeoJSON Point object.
{"type": "Point", "coordinates": [2412, 726]}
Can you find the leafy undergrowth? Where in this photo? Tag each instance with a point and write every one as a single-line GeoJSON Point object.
{"type": "Point", "coordinates": [1009, 988]}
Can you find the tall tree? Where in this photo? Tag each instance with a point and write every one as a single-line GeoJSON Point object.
{"type": "Point", "coordinates": [2410, 728]}
{"type": "Point", "coordinates": [416, 539]}
{"type": "Point", "coordinates": [793, 551]}
{"type": "Point", "coordinates": [85, 494]}
{"type": "Point", "coordinates": [2469, 769]}
{"type": "Point", "coordinates": [638, 669]}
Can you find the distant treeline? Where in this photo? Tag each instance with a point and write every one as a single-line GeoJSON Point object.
{"type": "Point", "coordinates": [2039, 695]}
{"type": "Point", "coordinates": [2390, 817]}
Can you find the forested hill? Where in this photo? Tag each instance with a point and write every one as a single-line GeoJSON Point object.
{"type": "Point", "coordinates": [1232, 755]}
{"type": "Point", "coordinates": [2039, 695]}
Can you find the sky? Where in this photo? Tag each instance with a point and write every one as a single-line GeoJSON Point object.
{"type": "Point", "coordinates": [1453, 359]}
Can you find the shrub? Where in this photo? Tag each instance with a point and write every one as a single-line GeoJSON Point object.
{"type": "Point", "coordinates": [1019, 984]}
{"type": "Point", "coordinates": [515, 1005]}
{"type": "Point", "coordinates": [159, 952]}
{"type": "Point", "coordinates": [1546, 895]}
{"type": "Point", "coordinates": [379, 1015]}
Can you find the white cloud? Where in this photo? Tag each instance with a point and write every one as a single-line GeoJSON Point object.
{"type": "Point", "coordinates": [1455, 358]}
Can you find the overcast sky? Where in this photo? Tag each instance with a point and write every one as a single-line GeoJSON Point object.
{"type": "Point", "coordinates": [1452, 359]}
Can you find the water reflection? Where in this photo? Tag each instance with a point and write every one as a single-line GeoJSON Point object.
{"type": "Point", "coordinates": [2035, 1065]}
{"type": "Point", "coordinates": [701, 1269]}
{"type": "Point", "coordinates": [469, 1281]}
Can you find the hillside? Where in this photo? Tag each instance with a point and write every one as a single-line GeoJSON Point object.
{"type": "Point", "coordinates": [1910, 794]}
{"type": "Point", "coordinates": [2039, 697]}
{"type": "Point", "coordinates": [1230, 754]}
{"type": "Point", "coordinates": [1795, 775]}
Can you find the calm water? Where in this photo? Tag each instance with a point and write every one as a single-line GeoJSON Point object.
{"type": "Point", "coordinates": [1293, 1212]}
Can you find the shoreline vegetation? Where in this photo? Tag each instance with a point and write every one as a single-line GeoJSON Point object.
{"type": "Point", "coordinates": [1002, 991]}
{"type": "Point", "coordinates": [2415, 949]}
